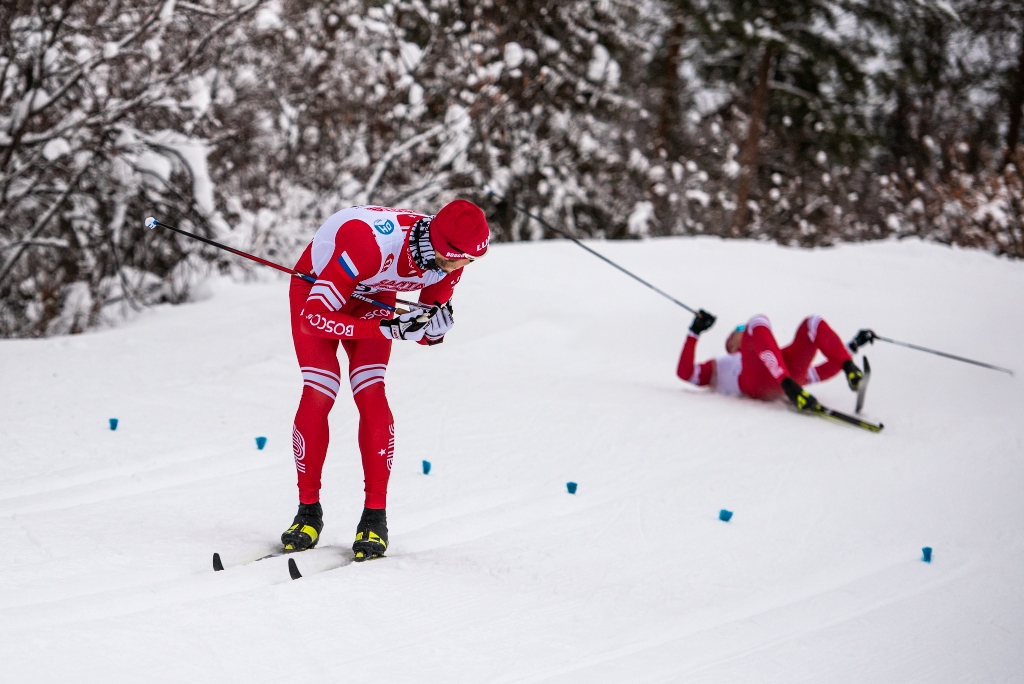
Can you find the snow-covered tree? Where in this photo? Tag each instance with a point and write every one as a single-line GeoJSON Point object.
{"type": "Point", "coordinates": [95, 104]}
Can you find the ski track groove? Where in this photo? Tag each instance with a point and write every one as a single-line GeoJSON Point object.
{"type": "Point", "coordinates": [740, 616]}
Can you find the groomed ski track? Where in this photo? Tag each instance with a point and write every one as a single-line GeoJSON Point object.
{"type": "Point", "coordinates": [559, 368]}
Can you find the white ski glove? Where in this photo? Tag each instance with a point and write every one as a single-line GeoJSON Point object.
{"type": "Point", "coordinates": [408, 326]}
{"type": "Point", "coordinates": [439, 324]}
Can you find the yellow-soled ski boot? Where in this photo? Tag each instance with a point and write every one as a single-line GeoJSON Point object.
{"type": "Point", "coordinates": [305, 530]}
{"type": "Point", "coordinates": [371, 535]}
{"type": "Point", "coordinates": [854, 375]}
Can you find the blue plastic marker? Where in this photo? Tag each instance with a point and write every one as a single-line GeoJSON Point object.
{"type": "Point", "coordinates": [724, 515]}
{"type": "Point", "coordinates": [261, 442]}
{"type": "Point", "coordinates": [426, 467]}
{"type": "Point", "coordinates": [113, 423]}
{"type": "Point", "coordinates": [571, 486]}
{"type": "Point", "coordinates": [926, 553]}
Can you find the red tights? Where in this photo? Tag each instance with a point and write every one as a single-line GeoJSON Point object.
{"type": "Point", "coordinates": [318, 361]}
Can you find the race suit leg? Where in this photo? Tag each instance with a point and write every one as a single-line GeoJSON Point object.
{"type": "Point", "coordinates": [763, 365]}
{"type": "Point", "coordinates": [814, 335]}
{"type": "Point", "coordinates": [318, 362]}
{"type": "Point", "coordinates": [367, 363]}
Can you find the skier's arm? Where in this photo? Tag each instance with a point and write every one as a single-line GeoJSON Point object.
{"type": "Point", "coordinates": [440, 294]}
{"type": "Point", "coordinates": [355, 257]}
{"type": "Point", "coordinates": [686, 370]}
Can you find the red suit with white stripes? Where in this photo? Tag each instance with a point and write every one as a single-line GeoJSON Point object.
{"type": "Point", "coordinates": [362, 250]}
{"type": "Point", "coordinates": [759, 367]}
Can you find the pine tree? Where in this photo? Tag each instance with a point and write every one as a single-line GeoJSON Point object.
{"type": "Point", "coordinates": [802, 65]}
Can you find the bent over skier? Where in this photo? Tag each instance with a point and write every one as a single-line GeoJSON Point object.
{"type": "Point", "coordinates": [373, 253]}
{"type": "Point", "coordinates": [755, 366]}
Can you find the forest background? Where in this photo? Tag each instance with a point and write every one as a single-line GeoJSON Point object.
{"type": "Point", "coordinates": [806, 123]}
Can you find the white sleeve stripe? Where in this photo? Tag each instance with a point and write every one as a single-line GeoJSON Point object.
{"type": "Point", "coordinates": [321, 371]}
{"type": "Point", "coordinates": [692, 334]}
{"type": "Point", "coordinates": [812, 376]}
{"type": "Point", "coordinates": [331, 285]}
{"type": "Point", "coordinates": [695, 378]}
{"type": "Point", "coordinates": [327, 295]}
{"type": "Point", "coordinates": [324, 380]}
{"type": "Point", "coordinates": [326, 289]}
{"type": "Point", "coordinates": [320, 388]}
{"type": "Point", "coordinates": [359, 378]}
{"type": "Point", "coordinates": [320, 298]}
{"type": "Point", "coordinates": [358, 388]}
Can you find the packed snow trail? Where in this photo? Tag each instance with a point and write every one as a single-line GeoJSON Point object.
{"type": "Point", "coordinates": [558, 369]}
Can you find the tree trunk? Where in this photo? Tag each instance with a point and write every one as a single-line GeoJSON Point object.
{"type": "Point", "coordinates": [668, 116]}
{"type": "Point", "coordinates": [1016, 100]}
{"type": "Point", "coordinates": [748, 158]}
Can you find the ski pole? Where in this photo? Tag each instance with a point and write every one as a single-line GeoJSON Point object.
{"type": "Point", "coordinates": [597, 254]}
{"type": "Point", "coordinates": [152, 223]}
{"type": "Point", "coordinates": [868, 337]}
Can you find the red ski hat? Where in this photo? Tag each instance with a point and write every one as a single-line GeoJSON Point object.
{"type": "Point", "coordinates": [460, 230]}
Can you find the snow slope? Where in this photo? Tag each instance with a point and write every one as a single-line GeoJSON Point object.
{"type": "Point", "coordinates": [559, 368]}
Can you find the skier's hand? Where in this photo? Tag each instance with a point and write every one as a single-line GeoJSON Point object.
{"type": "Point", "coordinates": [439, 325]}
{"type": "Point", "coordinates": [701, 322]}
{"type": "Point", "coordinates": [408, 326]}
{"type": "Point", "coordinates": [801, 398]}
{"type": "Point", "coordinates": [863, 337]}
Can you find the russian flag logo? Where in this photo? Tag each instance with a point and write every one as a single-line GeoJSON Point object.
{"type": "Point", "coordinates": [347, 265]}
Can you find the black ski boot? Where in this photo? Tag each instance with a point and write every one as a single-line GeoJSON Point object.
{"type": "Point", "coordinates": [371, 535]}
{"type": "Point", "coordinates": [801, 398]}
{"type": "Point", "coordinates": [854, 376]}
{"type": "Point", "coordinates": [305, 530]}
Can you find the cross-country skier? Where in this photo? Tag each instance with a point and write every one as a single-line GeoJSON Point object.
{"type": "Point", "coordinates": [375, 252]}
{"type": "Point", "coordinates": [756, 367]}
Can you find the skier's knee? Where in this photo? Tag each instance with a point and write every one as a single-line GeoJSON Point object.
{"type": "Point", "coordinates": [371, 397]}
{"type": "Point", "coordinates": [755, 322]}
{"type": "Point", "coordinates": [320, 384]}
{"type": "Point", "coordinates": [810, 324]}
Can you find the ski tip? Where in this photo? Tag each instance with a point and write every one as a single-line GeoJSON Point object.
{"type": "Point", "coordinates": [293, 569]}
{"type": "Point", "coordinates": [217, 565]}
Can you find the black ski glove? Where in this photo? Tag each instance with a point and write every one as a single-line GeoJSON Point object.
{"type": "Point", "coordinates": [801, 398]}
{"type": "Point", "coordinates": [863, 337]}
{"type": "Point", "coordinates": [701, 322]}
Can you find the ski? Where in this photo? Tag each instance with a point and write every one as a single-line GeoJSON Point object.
{"type": "Point", "coordinates": [832, 414]}
{"type": "Point", "coordinates": [863, 389]}
{"type": "Point", "coordinates": [314, 564]}
{"type": "Point", "coordinates": [218, 564]}
{"type": "Point", "coordinates": [293, 569]}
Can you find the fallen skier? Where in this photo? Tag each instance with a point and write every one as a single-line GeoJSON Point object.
{"type": "Point", "coordinates": [757, 368]}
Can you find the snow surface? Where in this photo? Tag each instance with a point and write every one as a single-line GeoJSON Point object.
{"type": "Point", "coordinates": [559, 369]}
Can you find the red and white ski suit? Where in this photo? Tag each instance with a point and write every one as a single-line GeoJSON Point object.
{"type": "Point", "coordinates": [759, 367]}
{"type": "Point", "coordinates": [361, 250]}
